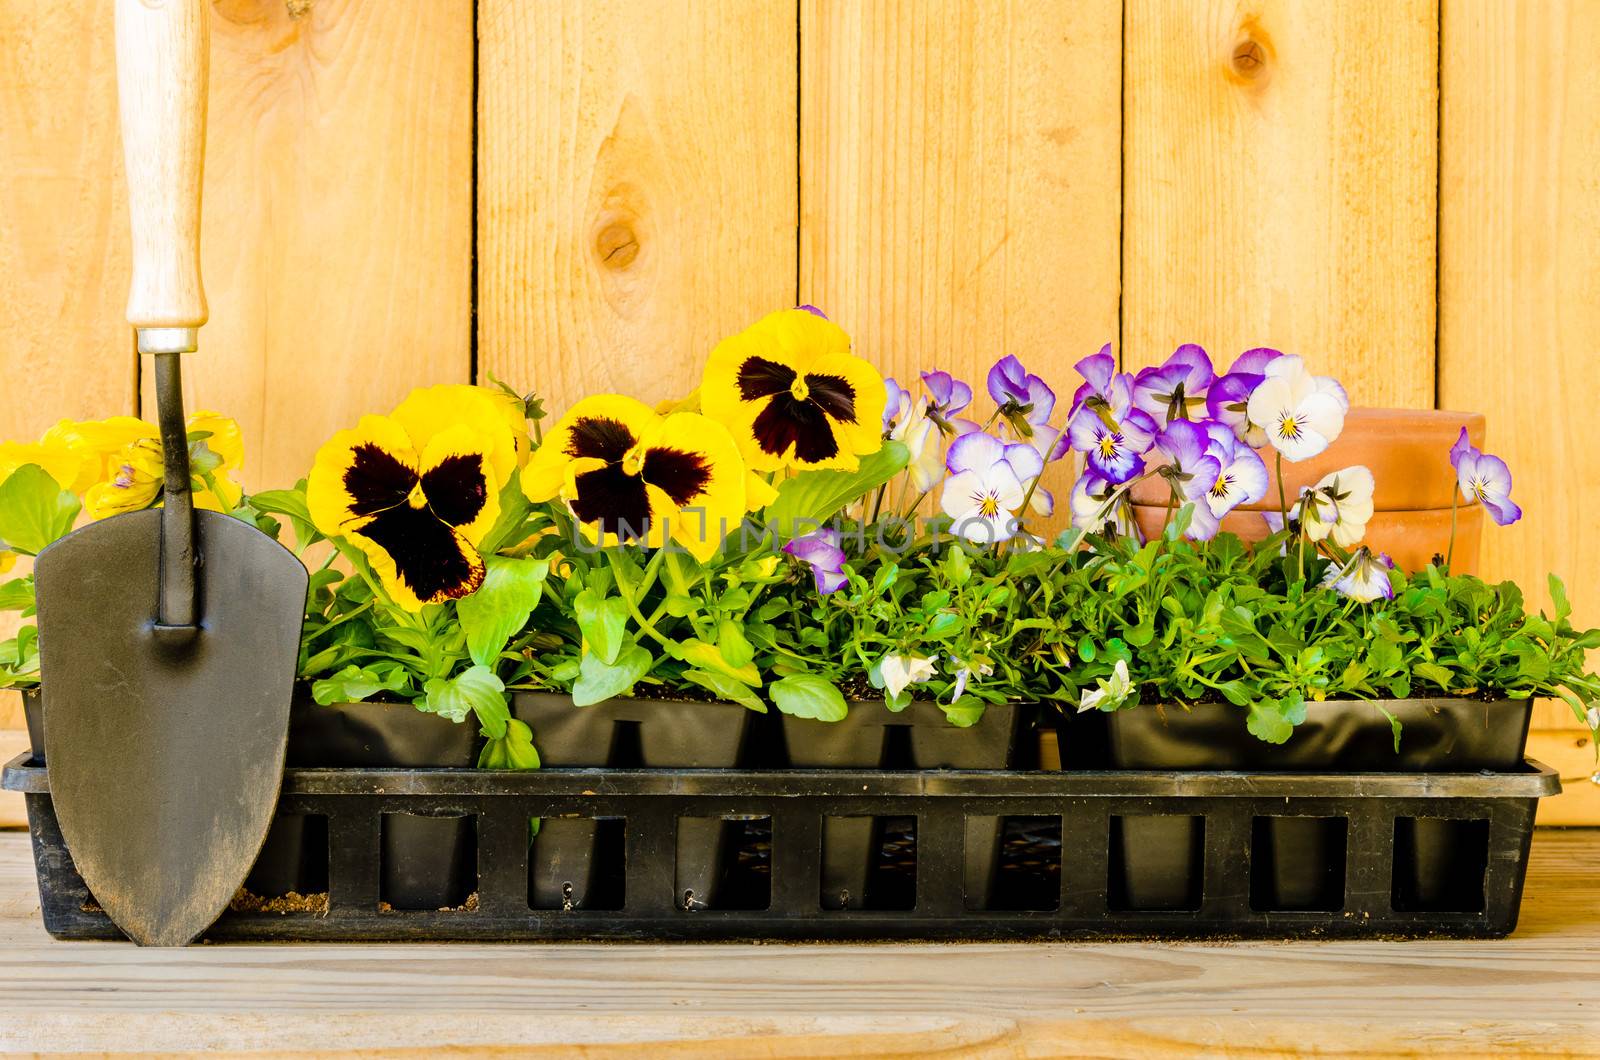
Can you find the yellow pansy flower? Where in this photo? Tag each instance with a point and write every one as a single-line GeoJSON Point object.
{"type": "Point", "coordinates": [793, 394]}
{"type": "Point", "coordinates": [629, 474]}
{"type": "Point", "coordinates": [134, 485]}
{"type": "Point", "coordinates": [417, 491]}
{"type": "Point", "coordinates": [427, 411]}
{"type": "Point", "coordinates": [99, 444]}
{"type": "Point", "coordinates": [123, 463]}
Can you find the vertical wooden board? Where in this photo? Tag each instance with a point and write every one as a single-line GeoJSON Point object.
{"type": "Point", "coordinates": [636, 188]}
{"type": "Point", "coordinates": [1519, 297]}
{"type": "Point", "coordinates": [337, 227]}
{"type": "Point", "coordinates": [959, 181]}
{"type": "Point", "coordinates": [65, 347]}
{"type": "Point", "coordinates": [1519, 304]}
{"type": "Point", "coordinates": [1280, 186]}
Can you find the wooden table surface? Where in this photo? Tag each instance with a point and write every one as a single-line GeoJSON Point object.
{"type": "Point", "coordinates": [1535, 993]}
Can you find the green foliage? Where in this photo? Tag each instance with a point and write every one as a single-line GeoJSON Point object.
{"type": "Point", "coordinates": [34, 510]}
{"type": "Point", "coordinates": [500, 608]}
{"type": "Point", "coordinates": [805, 696]}
{"type": "Point", "coordinates": [811, 498]}
{"type": "Point", "coordinates": [599, 680]}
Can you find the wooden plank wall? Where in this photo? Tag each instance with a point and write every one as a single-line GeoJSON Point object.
{"type": "Point", "coordinates": [1402, 190]}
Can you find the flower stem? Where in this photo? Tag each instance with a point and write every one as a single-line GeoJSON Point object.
{"type": "Point", "coordinates": [625, 591]}
{"type": "Point", "coordinates": [1450, 554]}
{"type": "Point", "coordinates": [1283, 505]}
{"type": "Point", "coordinates": [877, 503]}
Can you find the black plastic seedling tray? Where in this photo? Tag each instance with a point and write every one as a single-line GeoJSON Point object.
{"type": "Point", "coordinates": [1398, 855]}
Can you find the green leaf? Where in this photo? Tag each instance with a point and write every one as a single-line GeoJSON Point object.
{"type": "Point", "coordinates": [514, 750]}
{"type": "Point", "coordinates": [355, 683]}
{"type": "Point", "coordinates": [16, 594]}
{"type": "Point", "coordinates": [720, 684]}
{"type": "Point", "coordinates": [964, 712]}
{"type": "Point", "coordinates": [474, 690]}
{"type": "Point", "coordinates": [34, 510]}
{"type": "Point", "coordinates": [809, 696]}
{"type": "Point", "coordinates": [604, 621]}
{"type": "Point", "coordinates": [1274, 720]}
{"type": "Point", "coordinates": [599, 680]}
{"type": "Point", "coordinates": [290, 503]}
{"type": "Point", "coordinates": [957, 565]}
{"type": "Point", "coordinates": [1179, 523]}
{"type": "Point", "coordinates": [498, 610]}
{"type": "Point", "coordinates": [1434, 672]}
{"type": "Point", "coordinates": [1394, 726]}
{"type": "Point", "coordinates": [809, 499]}
{"type": "Point", "coordinates": [1558, 594]}
{"type": "Point", "coordinates": [703, 656]}
{"type": "Point", "coordinates": [514, 508]}
{"type": "Point", "coordinates": [733, 644]}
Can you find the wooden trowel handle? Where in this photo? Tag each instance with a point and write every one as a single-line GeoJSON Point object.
{"type": "Point", "coordinates": [161, 92]}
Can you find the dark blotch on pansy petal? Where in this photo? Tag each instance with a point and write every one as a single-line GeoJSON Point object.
{"type": "Point", "coordinates": [614, 499]}
{"type": "Point", "coordinates": [834, 395]}
{"type": "Point", "coordinates": [601, 438]}
{"type": "Point", "coordinates": [427, 556]}
{"type": "Point", "coordinates": [375, 480]}
{"type": "Point", "coordinates": [682, 476]}
{"type": "Point", "coordinates": [803, 424]}
{"type": "Point", "coordinates": [759, 378]}
{"type": "Point", "coordinates": [456, 488]}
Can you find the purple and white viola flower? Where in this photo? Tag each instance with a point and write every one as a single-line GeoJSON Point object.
{"type": "Point", "coordinates": [964, 672]}
{"type": "Point", "coordinates": [1191, 470]}
{"type": "Point", "coordinates": [897, 408]}
{"type": "Point", "coordinates": [1025, 400]}
{"type": "Point", "coordinates": [1176, 390]}
{"type": "Point", "coordinates": [1485, 479]}
{"type": "Point", "coordinates": [1301, 413]}
{"type": "Point", "coordinates": [1228, 400]}
{"type": "Point", "coordinates": [1339, 506]}
{"type": "Point", "coordinates": [900, 671]}
{"type": "Point", "coordinates": [947, 395]}
{"type": "Point", "coordinates": [1241, 475]}
{"type": "Point", "coordinates": [1098, 508]}
{"type": "Point", "coordinates": [821, 552]}
{"type": "Point", "coordinates": [1098, 370]}
{"type": "Point", "coordinates": [1363, 578]}
{"type": "Point", "coordinates": [1113, 433]}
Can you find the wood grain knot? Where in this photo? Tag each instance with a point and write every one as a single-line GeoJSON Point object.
{"type": "Point", "coordinates": [617, 245]}
{"type": "Point", "coordinates": [1250, 62]}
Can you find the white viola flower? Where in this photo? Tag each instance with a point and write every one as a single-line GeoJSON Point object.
{"type": "Point", "coordinates": [964, 673]}
{"type": "Point", "coordinates": [1110, 693]}
{"type": "Point", "coordinates": [1364, 578]}
{"type": "Point", "coordinates": [1592, 716]}
{"type": "Point", "coordinates": [986, 488]}
{"type": "Point", "coordinates": [1302, 414]}
{"type": "Point", "coordinates": [926, 443]}
{"type": "Point", "coordinates": [899, 671]}
{"type": "Point", "coordinates": [1339, 506]}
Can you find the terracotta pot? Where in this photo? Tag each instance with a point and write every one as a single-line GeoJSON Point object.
{"type": "Point", "coordinates": [1407, 451]}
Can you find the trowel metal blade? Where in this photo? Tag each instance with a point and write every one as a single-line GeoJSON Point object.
{"type": "Point", "coordinates": [165, 761]}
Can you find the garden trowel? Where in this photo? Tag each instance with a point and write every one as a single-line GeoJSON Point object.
{"type": "Point", "coordinates": [168, 637]}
